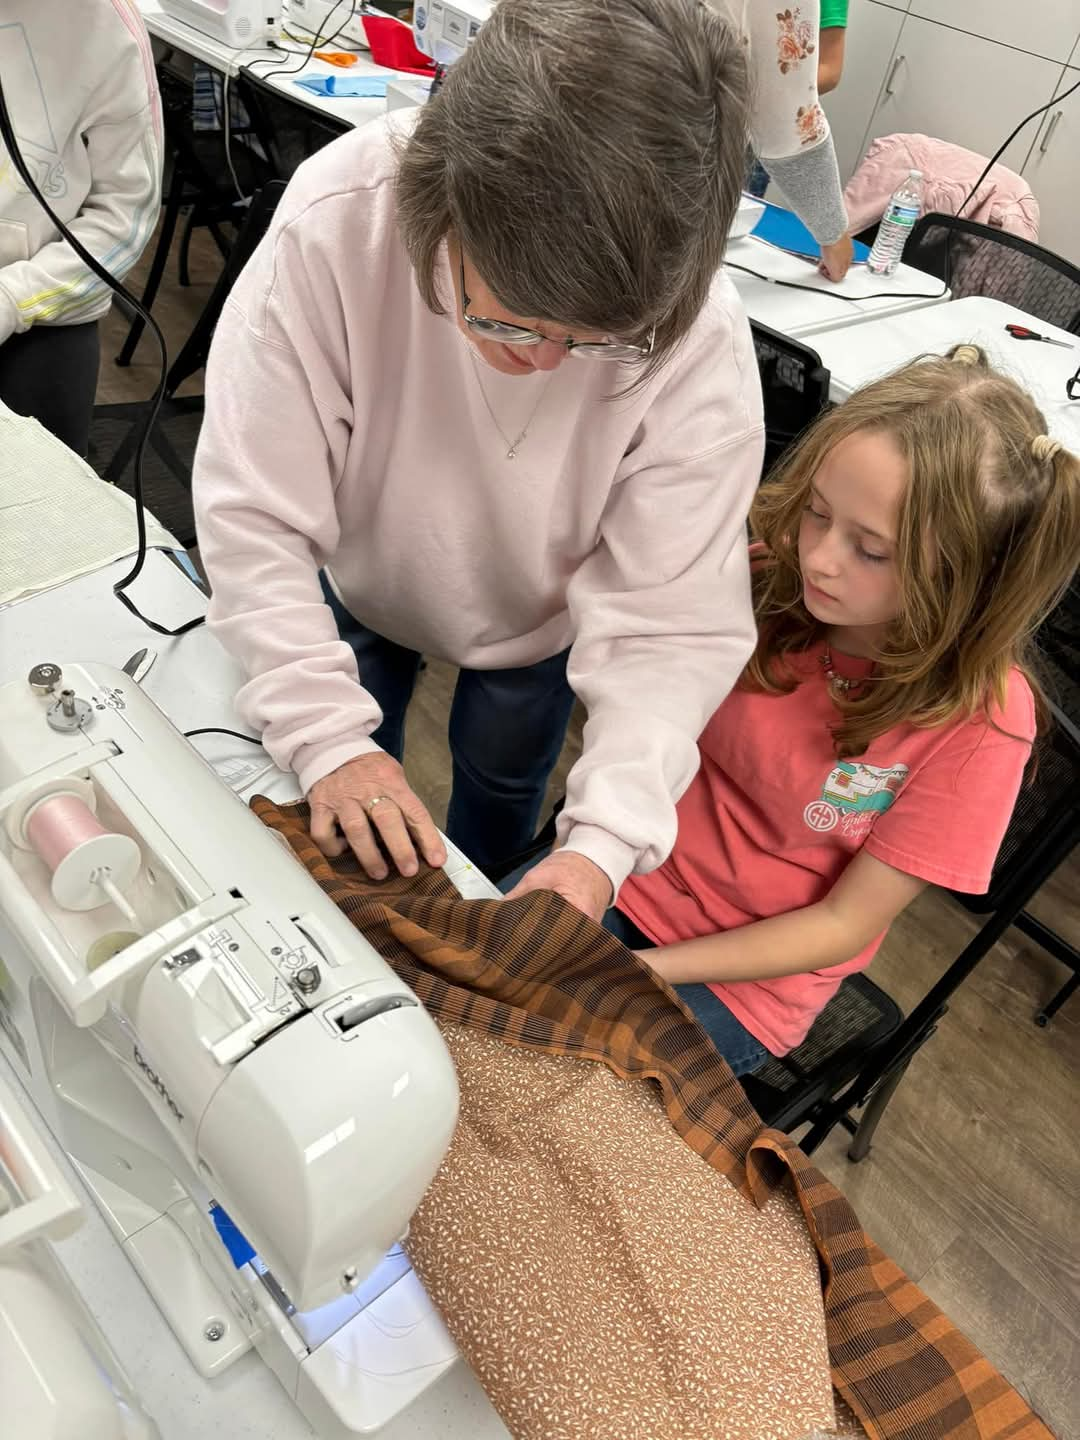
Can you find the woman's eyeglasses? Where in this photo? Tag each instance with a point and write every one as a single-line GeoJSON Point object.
{"type": "Point", "coordinates": [1072, 387]}
{"type": "Point", "coordinates": [507, 334]}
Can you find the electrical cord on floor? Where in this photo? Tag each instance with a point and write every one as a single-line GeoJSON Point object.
{"type": "Point", "coordinates": [129, 302]}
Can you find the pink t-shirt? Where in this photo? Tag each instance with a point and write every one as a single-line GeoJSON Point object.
{"type": "Point", "coordinates": [772, 818]}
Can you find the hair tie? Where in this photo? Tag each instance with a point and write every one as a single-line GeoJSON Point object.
{"type": "Point", "coordinates": [967, 355]}
{"type": "Point", "coordinates": [1044, 449]}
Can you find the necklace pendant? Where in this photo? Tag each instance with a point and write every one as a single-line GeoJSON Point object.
{"type": "Point", "coordinates": [511, 453]}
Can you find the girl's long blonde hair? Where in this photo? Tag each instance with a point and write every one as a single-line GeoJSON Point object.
{"type": "Point", "coordinates": [988, 540]}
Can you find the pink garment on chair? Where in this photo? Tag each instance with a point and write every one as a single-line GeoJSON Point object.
{"type": "Point", "coordinates": [1004, 199]}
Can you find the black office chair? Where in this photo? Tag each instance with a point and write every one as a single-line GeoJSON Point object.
{"type": "Point", "coordinates": [795, 388]}
{"type": "Point", "coordinates": [281, 127]}
{"type": "Point", "coordinates": [975, 259]}
{"type": "Point", "coordinates": [1044, 831]}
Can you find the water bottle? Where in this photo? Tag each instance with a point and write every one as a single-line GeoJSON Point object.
{"type": "Point", "coordinates": [896, 225]}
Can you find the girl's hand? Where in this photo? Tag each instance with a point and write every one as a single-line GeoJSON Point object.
{"type": "Point", "coordinates": [836, 258]}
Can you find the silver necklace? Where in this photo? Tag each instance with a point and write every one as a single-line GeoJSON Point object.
{"type": "Point", "coordinates": [840, 685]}
{"type": "Point", "coordinates": [520, 438]}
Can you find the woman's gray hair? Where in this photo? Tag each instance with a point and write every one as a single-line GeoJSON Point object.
{"type": "Point", "coordinates": [588, 155]}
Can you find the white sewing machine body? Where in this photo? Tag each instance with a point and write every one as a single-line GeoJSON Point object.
{"type": "Point", "coordinates": [239, 1045]}
{"type": "Point", "coordinates": [243, 24]}
{"type": "Point", "coordinates": [60, 1378]}
{"type": "Point", "coordinates": [444, 29]}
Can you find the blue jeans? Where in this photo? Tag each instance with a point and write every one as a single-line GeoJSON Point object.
{"type": "Point", "coordinates": [742, 1051]}
{"type": "Point", "coordinates": [757, 180]}
{"type": "Point", "coordinates": [507, 729]}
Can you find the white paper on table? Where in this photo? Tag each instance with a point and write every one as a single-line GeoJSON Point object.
{"type": "Point", "coordinates": [57, 518]}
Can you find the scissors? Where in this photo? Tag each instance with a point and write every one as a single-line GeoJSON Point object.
{"type": "Point", "coordinates": [1021, 332]}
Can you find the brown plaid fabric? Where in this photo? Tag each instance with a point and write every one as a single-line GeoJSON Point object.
{"type": "Point", "coordinates": [536, 973]}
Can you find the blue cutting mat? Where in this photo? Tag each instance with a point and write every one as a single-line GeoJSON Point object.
{"type": "Point", "coordinates": [786, 231]}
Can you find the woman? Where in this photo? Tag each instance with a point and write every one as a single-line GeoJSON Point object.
{"type": "Point", "coordinates": [797, 53]}
{"type": "Point", "coordinates": [482, 394]}
{"type": "Point", "coordinates": [88, 120]}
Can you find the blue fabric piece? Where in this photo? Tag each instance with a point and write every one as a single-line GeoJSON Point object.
{"type": "Point", "coordinates": [786, 231]}
{"type": "Point", "coordinates": [240, 1250]}
{"type": "Point", "coordinates": [367, 87]}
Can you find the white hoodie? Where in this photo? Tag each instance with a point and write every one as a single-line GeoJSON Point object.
{"type": "Point", "coordinates": [80, 86]}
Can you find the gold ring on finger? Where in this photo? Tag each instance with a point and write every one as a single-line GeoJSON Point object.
{"type": "Point", "coordinates": [369, 805]}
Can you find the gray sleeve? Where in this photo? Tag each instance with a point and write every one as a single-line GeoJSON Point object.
{"type": "Point", "coordinates": [810, 181]}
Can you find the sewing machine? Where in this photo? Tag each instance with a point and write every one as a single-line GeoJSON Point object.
{"type": "Point", "coordinates": [60, 1377]}
{"type": "Point", "coordinates": [253, 1099]}
{"type": "Point", "coordinates": [445, 30]}
{"type": "Point", "coordinates": [243, 24]}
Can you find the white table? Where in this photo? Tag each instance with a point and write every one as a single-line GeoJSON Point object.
{"type": "Point", "coordinates": [823, 306]}
{"type": "Point", "coordinates": [350, 110]}
{"type": "Point", "coordinates": [863, 352]}
{"type": "Point", "coordinates": [193, 681]}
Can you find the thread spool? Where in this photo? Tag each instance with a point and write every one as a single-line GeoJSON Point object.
{"type": "Point", "coordinates": [89, 865]}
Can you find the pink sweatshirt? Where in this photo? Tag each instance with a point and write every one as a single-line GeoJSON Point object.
{"type": "Point", "coordinates": [348, 427]}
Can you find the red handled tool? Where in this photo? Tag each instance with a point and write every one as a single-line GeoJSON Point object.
{"type": "Point", "coordinates": [1021, 332]}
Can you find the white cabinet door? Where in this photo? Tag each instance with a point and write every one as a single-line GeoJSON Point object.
{"type": "Point", "coordinates": [958, 87]}
{"type": "Point", "coordinates": [1043, 27]}
{"type": "Point", "coordinates": [868, 51]}
{"type": "Point", "coordinates": [1052, 172]}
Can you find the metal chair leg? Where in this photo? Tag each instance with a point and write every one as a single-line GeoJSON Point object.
{"type": "Point", "coordinates": [183, 272]}
{"type": "Point", "coordinates": [157, 267]}
{"type": "Point", "coordinates": [875, 1108]}
{"type": "Point", "coordinates": [1047, 1013]}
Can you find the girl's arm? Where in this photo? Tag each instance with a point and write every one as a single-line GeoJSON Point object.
{"type": "Point", "coordinates": [864, 901]}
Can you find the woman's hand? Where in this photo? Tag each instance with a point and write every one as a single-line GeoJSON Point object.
{"type": "Point", "coordinates": [572, 876]}
{"type": "Point", "coordinates": [836, 258]}
{"type": "Point", "coordinates": [369, 797]}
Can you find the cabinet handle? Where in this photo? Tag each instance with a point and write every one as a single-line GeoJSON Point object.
{"type": "Point", "coordinates": [892, 74]}
{"type": "Point", "coordinates": [1044, 144]}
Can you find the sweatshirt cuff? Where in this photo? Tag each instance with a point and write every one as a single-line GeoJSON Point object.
{"type": "Point", "coordinates": [810, 181]}
{"type": "Point", "coordinates": [614, 856]}
{"type": "Point", "coordinates": [312, 762]}
{"type": "Point", "coordinates": [9, 316]}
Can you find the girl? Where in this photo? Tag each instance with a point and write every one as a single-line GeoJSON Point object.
{"type": "Point", "coordinates": [910, 546]}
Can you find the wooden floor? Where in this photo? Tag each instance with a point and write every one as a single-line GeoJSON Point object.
{"type": "Point", "coordinates": [973, 1184]}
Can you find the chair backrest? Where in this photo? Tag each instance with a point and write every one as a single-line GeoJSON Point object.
{"type": "Point", "coordinates": [287, 129]}
{"type": "Point", "coordinates": [974, 259]}
{"type": "Point", "coordinates": [795, 386]}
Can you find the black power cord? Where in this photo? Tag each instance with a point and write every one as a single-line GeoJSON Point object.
{"type": "Point", "coordinates": [7, 132]}
{"type": "Point", "coordinates": [221, 730]}
{"type": "Point", "coordinates": [1003, 147]}
{"type": "Point", "coordinates": [318, 40]}
{"type": "Point", "coordinates": [837, 294]}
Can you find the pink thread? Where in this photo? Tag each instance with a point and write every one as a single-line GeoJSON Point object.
{"type": "Point", "coordinates": [59, 825]}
